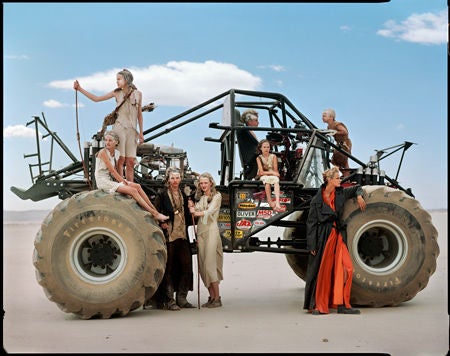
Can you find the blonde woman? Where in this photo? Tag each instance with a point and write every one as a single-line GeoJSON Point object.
{"type": "Point", "coordinates": [210, 252]}
{"type": "Point", "coordinates": [330, 269]}
{"type": "Point", "coordinates": [108, 178]}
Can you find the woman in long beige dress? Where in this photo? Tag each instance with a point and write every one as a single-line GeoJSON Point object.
{"type": "Point", "coordinates": [210, 252]}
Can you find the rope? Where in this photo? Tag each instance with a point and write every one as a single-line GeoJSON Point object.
{"type": "Point", "coordinates": [86, 173]}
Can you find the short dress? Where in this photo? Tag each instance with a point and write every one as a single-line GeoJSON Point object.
{"type": "Point", "coordinates": [267, 166]}
{"type": "Point", "coordinates": [103, 177]}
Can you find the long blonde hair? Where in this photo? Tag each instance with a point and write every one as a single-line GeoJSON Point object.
{"type": "Point", "coordinates": [199, 193]}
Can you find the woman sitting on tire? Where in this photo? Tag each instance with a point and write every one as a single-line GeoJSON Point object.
{"type": "Point", "coordinates": [108, 178]}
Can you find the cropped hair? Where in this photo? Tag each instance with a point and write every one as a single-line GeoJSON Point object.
{"type": "Point", "coordinates": [248, 115]}
{"type": "Point", "coordinates": [113, 135]}
{"type": "Point", "coordinates": [331, 112]}
{"type": "Point", "coordinates": [330, 173]}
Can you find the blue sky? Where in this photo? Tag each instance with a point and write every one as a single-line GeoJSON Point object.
{"type": "Point", "coordinates": [381, 66]}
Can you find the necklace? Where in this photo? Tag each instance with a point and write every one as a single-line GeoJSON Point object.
{"type": "Point", "coordinates": [177, 201]}
{"type": "Point", "coordinates": [175, 193]}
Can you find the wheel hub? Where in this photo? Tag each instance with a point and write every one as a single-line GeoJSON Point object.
{"type": "Point", "coordinates": [99, 255]}
{"type": "Point", "coordinates": [381, 246]}
{"type": "Point", "coordinates": [102, 253]}
{"type": "Point", "coordinates": [370, 246]}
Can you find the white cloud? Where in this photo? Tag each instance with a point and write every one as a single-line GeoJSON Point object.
{"type": "Point", "coordinates": [17, 57]}
{"type": "Point", "coordinates": [426, 28]}
{"type": "Point", "coordinates": [174, 83]}
{"type": "Point", "coordinates": [279, 83]}
{"type": "Point", "coordinates": [18, 131]}
{"type": "Point", "coordinates": [275, 67]}
{"type": "Point", "coordinates": [345, 28]}
{"type": "Point", "coordinates": [54, 104]}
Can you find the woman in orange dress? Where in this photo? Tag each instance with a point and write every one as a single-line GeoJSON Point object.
{"type": "Point", "coordinates": [330, 268]}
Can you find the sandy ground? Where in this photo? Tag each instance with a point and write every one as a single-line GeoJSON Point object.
{"type": "Point", "coordinates": [262, 312]}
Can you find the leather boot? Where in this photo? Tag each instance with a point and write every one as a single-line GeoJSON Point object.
{"type": "Point", "coordinates": [182, 300]}
{"type": "Point", "coordinates": [343, 310]}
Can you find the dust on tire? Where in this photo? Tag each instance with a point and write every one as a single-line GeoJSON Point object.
{"type": "Point", "coordinates": [99, 255]}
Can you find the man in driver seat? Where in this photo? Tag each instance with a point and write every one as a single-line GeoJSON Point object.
{"type": "Point", "coordinates": [248, 143]}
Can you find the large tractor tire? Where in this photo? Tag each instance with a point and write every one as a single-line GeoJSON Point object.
{"type": "Point", "coordinates": [99, 255]}
{"type": "Point", "coordinates": [298, 262]}
{"type": "Point", "coordinates": [393, 245]}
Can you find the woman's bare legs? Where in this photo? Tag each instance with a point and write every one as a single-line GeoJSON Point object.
{"type": "Point", "coordinates": [129, 168]}
{"type": "Point", "coordinates": [120, 165]}
{"type": "Point", "coordinates": [215, 289]}
{"type": "Point", "coordinates": [276, 188]}
{"type": "Point", "coordinates": [141, 192]}
{"type": "Point", "coordinates": [269, 195]}
{"type": "Point", "coordinates": [211, 292]}
{"type": "Point", "coordinates": [214, 295]}
{"type": "Point", "coordinates": [138, 194]}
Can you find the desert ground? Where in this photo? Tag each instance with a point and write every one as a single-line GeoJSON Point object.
{"type": "Point", "coordinates": [262, 312]}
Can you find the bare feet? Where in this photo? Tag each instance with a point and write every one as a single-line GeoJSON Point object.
{"type": "Point", "coordinates": [271, 204]}
{"type": "Point", "coordinates": [278, 208]}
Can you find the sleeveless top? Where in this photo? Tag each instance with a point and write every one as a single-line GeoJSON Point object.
{"type": "Point", "coordinates": [267, 164]}
{"type": "Point", "coordinates": [342, 140]}
{"type": "Point", "coordinates": [103, 178]}
{"type": "Point", "coordinates": [128, 112]}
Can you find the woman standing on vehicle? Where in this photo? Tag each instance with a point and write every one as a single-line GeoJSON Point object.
{"type": "Point", "coordinates": [330, 270]}
{"type": "Point", "coordinates": [210, 252]}
{"type": "Point", "coordinates": [129, 115]}
{"type": "Point", "coordinates": [342, 140]}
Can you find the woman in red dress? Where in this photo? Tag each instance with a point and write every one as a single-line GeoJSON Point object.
{"type": "Point", "coordinates": [330, 268]}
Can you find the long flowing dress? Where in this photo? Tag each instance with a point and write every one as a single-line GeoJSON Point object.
{"type": "Point", "coordinates": [325, 284]}
{"type": "Point", "coordinates": [210, 252]}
